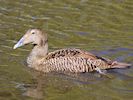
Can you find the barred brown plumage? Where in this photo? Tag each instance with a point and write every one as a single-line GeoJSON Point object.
{"type": "Point", "coordinates": [64, 60]}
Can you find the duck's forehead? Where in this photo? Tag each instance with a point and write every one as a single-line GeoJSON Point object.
{"type": "Point", "coordinates": [33, 30]}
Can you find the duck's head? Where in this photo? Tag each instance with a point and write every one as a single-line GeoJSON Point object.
{"type": "Point", "coordinates": [34, 36]}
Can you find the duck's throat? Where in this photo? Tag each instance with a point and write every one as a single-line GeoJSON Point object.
{"type": "Point", "coordinates": [37, 53]}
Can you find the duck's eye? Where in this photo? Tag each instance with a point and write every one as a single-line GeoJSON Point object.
{"type": "Point", "coordinates": [33, 32]}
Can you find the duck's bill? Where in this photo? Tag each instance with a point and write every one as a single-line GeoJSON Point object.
{"type": "Point", "coordinates": [19, 43]}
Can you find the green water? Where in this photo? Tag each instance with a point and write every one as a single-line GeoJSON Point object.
{"type": "Point", "coordinates": [103, 27]}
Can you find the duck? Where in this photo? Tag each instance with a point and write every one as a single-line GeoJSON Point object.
{"type": "Point", "coordinates": [63, 60]}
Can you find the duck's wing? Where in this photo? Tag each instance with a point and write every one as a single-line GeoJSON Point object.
{"type": "Point", "coordinates": [70, 52]}
{"type": "Point", "coordinates": [73, 53]}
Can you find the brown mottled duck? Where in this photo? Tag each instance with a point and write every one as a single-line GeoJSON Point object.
{"type": "Point", "coordinates": [63, 60]}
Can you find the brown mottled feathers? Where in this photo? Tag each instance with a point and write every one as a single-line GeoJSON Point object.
{"type": "Point", "coordinates": [69, 53]}
{"type": "Point", "coordinates": [74, 60]}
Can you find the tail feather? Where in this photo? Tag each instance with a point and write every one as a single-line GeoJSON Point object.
{"type": "Point", "coordinates": [120, 65]}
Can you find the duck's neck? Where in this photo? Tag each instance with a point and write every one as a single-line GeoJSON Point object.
{"type": "Point", "coordinates": [37, 53]}
{"type": "Point", "coordinates": [40, 51]}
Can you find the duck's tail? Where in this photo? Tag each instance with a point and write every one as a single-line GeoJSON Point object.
{"type": "Point", "coordinates": [116, 64]}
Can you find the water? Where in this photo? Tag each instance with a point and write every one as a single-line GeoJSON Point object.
{"type": "Point", "coordinates": [102, 27]}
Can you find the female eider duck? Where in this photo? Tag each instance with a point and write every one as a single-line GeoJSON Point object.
{"type": "Point", "coordinates": [63, 60]}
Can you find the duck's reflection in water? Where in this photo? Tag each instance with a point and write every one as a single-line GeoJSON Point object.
{"type": "Point", "coordinates": [36, 91]}
{"type": "Point", "coordinates": [62, 82]}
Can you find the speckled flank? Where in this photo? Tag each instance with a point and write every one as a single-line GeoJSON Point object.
{"type": "Point", "coordinates": [71, 60]}
{"type": "Point", "coordinates": [73, 64]}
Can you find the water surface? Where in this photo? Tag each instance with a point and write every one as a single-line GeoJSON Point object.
{"type": "Point", "coordinates": [103, 27]}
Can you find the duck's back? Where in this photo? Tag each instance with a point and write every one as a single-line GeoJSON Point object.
{"type": "Point", "coordinates": [73, 60]}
